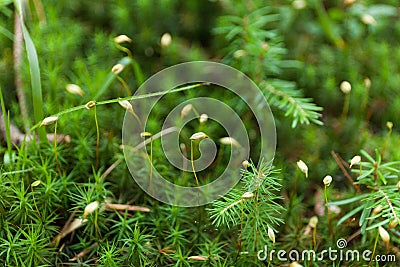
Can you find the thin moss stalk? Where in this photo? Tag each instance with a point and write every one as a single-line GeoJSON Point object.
{"type": "Point", "coordinates": [150, 136]}
{"type": "Point", "coordinates": [327, 181]}
{"type": "Point", "coordinates": [194, 170]}
{"type": "Point", "coordinates": [97, 137]}
{"type": "Point", "coordinates": [55, 147]}
{"type": "Point", "coordinates": [389, 125]}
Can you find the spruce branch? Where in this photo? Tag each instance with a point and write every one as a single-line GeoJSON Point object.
{"type": "Point", "coordinates": [253, 205]}
{"type": "Point", "coordinates": [257, 49]}
{"type": "Point", "coordinates": [291, 100]}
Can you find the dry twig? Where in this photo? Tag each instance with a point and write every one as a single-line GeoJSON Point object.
{"type": "Point", "coordinates": [341, 163]}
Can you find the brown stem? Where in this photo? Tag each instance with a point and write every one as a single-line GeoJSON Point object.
{"type": "Point", "coordinates": [17, 53]}
{"type": "Point", "coordinates": [84, 252]}
{"type": "Point", "coordinates": [339, 162]}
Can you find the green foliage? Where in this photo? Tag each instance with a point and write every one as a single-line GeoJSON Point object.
{"type": "Point", "coordinates": [34, 70]}
{"type": "Point", "coordinates": [254, 206]}
{"type": "Point", "coordinates": [281, 46]}
{"type": "Point", "coordinates": [258, 51]}
{"type": "Point", "coordinates": [378, 201]}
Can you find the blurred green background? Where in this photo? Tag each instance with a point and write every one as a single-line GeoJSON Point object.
{"type": "Point", "coordinates": [305, 48]}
